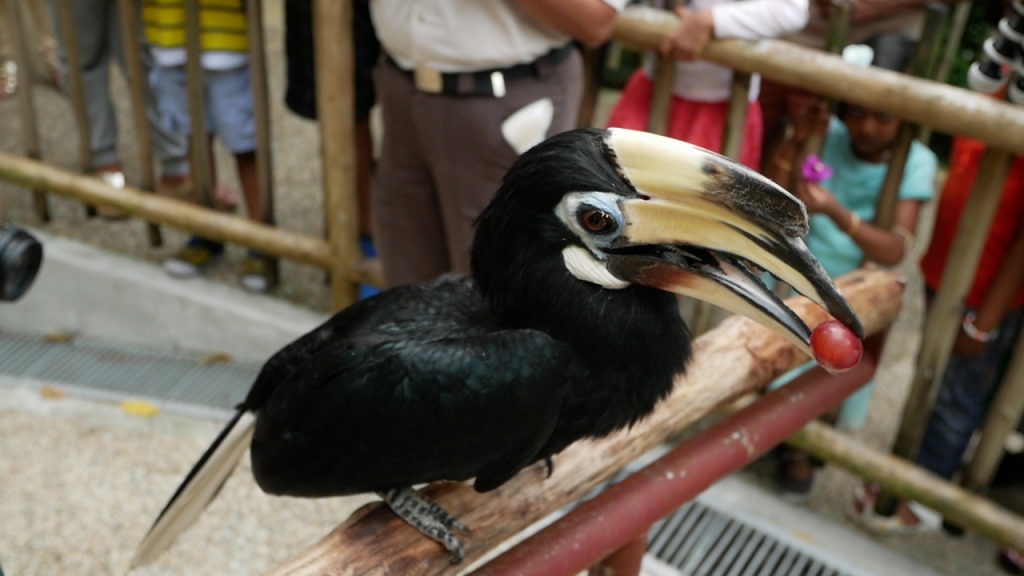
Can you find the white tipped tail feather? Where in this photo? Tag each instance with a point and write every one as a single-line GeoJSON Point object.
{"type": "Point", "coordinates": [199, 488]}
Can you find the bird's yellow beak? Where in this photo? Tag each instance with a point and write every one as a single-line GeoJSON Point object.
{"type": "Point", "coordinates": [699, 219]}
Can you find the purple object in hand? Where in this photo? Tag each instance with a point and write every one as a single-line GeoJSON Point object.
{"type": "Point", "coordinates": [815, 170]}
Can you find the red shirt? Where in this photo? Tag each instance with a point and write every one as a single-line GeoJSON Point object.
{"type": "Point", "coordinates": [1006, 223]}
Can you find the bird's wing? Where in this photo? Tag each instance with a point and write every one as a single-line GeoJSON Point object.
{"type": "Point", "coordinates": [366, 419]}
{"type": "Point", "coordinates": [369, 322]}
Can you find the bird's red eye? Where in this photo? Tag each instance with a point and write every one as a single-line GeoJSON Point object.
{"type": "Point", "coordinates": [596, 220]}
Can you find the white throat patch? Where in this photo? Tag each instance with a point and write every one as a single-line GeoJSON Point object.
{"type": "Point", "coordinates": [582, 264]}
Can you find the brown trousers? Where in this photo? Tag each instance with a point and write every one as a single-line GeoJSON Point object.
{"type": "Point", "coordinates": [441, 161]}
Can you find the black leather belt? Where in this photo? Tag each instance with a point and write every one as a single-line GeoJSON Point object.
{"type": "Point", "coordinates": [482, 82]}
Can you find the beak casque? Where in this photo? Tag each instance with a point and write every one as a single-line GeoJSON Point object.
{"type": "Point", "coordinates": [707, 215]}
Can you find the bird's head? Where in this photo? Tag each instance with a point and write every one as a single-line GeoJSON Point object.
{"type": "Point", "coordinates": [621, 208]}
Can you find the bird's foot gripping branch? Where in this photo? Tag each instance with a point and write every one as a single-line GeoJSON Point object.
{"type": "Point", "coordinates": [569, 328]}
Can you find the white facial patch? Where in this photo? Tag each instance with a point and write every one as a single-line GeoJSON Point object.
{"type": "Point", "coordinates": [582, 264]}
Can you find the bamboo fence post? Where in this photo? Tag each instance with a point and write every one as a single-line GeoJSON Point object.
{"type": "Point", "coordinates": [335, 65]}
{"type": "Point", "coordinates": [133, 71]}
{"type": "Point", "coordinates": [29, 130]}
{"type": "Point", "coordinates": [66, 22]}
{"type": "Point", "coordinates": [837, 37]}
{"type": "Point", "coordinates": [736, 121]}
{"type": "Point", "coordinates": [592, 60]}
{"type": "Point", "coordinates": [202, 168]}
{"type": "Point", "coordinates": [839, 24]}
{"type": "Point", "coordinates": [943, 319]}
{"type": "Point", "coordinates": [958, 24]}
{"type": "Point", "coordinates": [924, 60]}
{"type": "Point", "coordinates": [1004, 414]}
{"type": "Point", "coordinates": [737, 357]}
{"type": "Point", "coordinates": [889, 196]}
{"type": "Point", "coordinates": [961, 14]}
{"type": "Point", "coordinates": [661, 98]}
{"type": "Point", "coordinates": [261, 110]}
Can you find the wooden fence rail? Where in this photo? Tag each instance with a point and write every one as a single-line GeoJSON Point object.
{"type": "Point", "coordinates": [942, 107]}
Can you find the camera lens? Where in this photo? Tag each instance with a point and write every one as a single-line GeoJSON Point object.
{"type": "Point", "coordinates": [20, 257]}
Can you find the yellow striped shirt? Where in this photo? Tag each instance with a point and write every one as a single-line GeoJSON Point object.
{"type": "Point", "coordinates": [222, 24]}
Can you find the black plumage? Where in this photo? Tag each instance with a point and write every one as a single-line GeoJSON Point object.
{"type": "Point", "coordinates": [461, 378]}
{"type": "Point", "coordinates": [456, 379]}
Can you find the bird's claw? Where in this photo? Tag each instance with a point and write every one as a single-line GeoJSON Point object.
{"type": "Point", "coordinates": [425, 515]}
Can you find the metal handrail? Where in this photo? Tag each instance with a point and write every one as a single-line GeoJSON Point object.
{"type": "Point", "coordinates": [598, 527]}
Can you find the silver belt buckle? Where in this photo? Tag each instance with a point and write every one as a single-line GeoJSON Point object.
{"type": "Point", "coordinates": [428, 79]}
{"type": "Point", "coordinates": [498, 84]}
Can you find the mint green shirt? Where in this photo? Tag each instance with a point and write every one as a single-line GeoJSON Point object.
{"type": "Point", "coordinates": [857, 185]}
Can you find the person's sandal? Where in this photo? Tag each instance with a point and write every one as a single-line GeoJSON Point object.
{"type": "Point", "coordinates": [861, 510]}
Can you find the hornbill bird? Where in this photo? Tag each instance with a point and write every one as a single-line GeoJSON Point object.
{"type": "Point", "coordinates": [568, 328]}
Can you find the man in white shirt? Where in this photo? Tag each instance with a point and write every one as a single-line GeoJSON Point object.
{"type": "Point", "coordinates": [465, 87]}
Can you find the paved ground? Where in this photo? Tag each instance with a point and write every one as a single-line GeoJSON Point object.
{"type": "Point", "coordinates": [77, 488]}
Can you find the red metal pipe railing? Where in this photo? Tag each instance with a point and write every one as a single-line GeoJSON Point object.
{"type": "Point", "coordinates": [610, 521]}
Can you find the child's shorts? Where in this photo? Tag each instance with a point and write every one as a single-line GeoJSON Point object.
{"type": "Point", "coordinates": [227, 98]}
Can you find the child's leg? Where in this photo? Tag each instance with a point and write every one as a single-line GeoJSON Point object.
{"type": "Point", "coordinates": [232, 118]}
{"type": "Point", "coordinates": [222, 197]}
{"type": "Point", "coordinates": [246, 163]}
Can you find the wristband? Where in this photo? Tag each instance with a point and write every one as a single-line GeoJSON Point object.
{"type": "Point", "coordinates": [978, 335]}
{"type": "Point", "coordinates": [851, 231]}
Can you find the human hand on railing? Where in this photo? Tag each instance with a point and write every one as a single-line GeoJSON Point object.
{"type": "Point", "coordinates": [687, 41]}
{"type": "Point", "coordinates": [808, 113]}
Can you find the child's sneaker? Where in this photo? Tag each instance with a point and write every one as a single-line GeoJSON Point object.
{"type": "Point", "coordinates": [259, 274]}
{"type": "Point", "coordinates": [193, 257]}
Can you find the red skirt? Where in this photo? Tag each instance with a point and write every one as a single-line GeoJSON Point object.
{"type": "Point", "coordinates": [700, 123]}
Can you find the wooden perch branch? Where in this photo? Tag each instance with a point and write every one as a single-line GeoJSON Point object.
{"type": "Point", "coordinates": [736, 358]}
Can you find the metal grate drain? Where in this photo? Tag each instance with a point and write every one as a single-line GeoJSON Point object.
{"type": "Point", "coordinates": [708, 538]}
{"type": "Point", "coordinates": [179, 378]}
{"type": "Point", "coordinates": [701, 541]}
